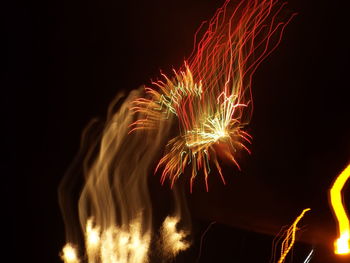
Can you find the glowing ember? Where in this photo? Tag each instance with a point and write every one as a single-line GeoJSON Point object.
{"type": "Point", "coordinates": [93, 241]}
{"type": "Point", "coordinates": [117, 244]}
{"type": "Point", "coordinates": [69, 254]}
{"type": "Point", "coordinates": [172, 240]}
{"type": "Point", "coordinates": [342, 244]}
{"type": "Point", "coordinates": [210, 96]}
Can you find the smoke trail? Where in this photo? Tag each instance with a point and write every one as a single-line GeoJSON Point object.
{"type": "Point", "coordinates": [114, 205]}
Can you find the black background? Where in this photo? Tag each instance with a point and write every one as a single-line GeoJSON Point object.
{"type": "Point", "coordinates": [68, 59]}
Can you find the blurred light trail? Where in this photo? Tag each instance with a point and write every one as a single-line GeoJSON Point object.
{"type": "Point", "coordinates": [198, 115]}
{"type": "Point", "coordinates": [309, 257]}
{"type": "Point", "coordinates": [342, 244]}
{"type": "Point", "coordinates": [289, 238]}
{"type": "Point", "coordinates": [210, 95]}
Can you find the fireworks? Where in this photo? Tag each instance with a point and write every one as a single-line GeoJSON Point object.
{"type": "Point", "coordinates": [209, 100]}
{"type": "Point", "coordinates": [210, 96]}
{"type": "Point", "coordinates": [342, 244]}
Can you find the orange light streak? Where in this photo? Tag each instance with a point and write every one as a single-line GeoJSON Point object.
{"type": "Point", "coordinates": [342, 244]}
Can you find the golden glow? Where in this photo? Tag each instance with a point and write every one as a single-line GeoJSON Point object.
{"type": "Point", "coordinates": [342, 244]}
{"type": "Point", "coordinates": [114, 245]}
{"type": "Point", "coordinates": [124, 245]}
{"type": "Point", "coordinates": [69, 254]}
{"type": "Point", "coordinates": [93, 241]}
{"type": "Point", "coordinates": [93, 234]}
{"type": "Point", "coordinates": [289, 240]}
{"type": "Point", "coordinates": [172, 240]}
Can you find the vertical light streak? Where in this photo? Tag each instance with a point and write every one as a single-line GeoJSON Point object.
{"type": "Point", "coordinates": [342, 244]}
{"type": "Point", "coordinates": [93, 241]}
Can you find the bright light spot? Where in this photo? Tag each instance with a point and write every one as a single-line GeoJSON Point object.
{"type": "Point", "coordinates": [342, 245]}
{"type": "Point", "coordinates": [170, 223]}
{"type": "Point", "coordinates": [69, 254]}
{"type": "Point", "coordinates": [123, 239]}
{"type": "Point", "coordinates": [116, 244]}
{"type": "Point", "coordinates": [92, 234]}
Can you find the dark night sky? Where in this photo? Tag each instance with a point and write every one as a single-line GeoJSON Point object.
{"type": "Point", "coordinates": [68, 59]}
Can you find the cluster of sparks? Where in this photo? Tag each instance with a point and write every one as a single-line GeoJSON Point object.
{"type": "Point", "coordinates": [206, 121]}
{"type": "Point", "coordinates": [210, 96]}
{"type": "Point", "coordinates": [342, 244]}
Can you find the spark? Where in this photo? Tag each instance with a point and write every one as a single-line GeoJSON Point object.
{"type": "Point", "coordinates": [210, 95]}
{"type": "Point", "coordinates": [342, 244]}
{"type": "Point", "coordinates": [173, 241]}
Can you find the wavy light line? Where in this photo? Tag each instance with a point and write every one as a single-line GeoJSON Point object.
{"type": "Point", "coordinates": [342, 244]}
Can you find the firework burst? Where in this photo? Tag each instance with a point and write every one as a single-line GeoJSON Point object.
{"type": "Point", "coordinates": [210, 96]}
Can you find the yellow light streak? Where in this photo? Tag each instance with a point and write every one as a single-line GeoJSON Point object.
{"type": "Point", "coordinates": [289, 239]}
{"type": "Point", "coordinates": [342, 244]}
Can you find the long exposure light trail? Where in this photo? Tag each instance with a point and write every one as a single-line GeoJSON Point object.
{"type": "Point", "coordinates": [342, 244]}
{"type": "Point", "coordinates": [197, 117]}
{"type": "Point", "coordinates": [288, 240]}
{"type": "Point", "coordinates": [210, 95]}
